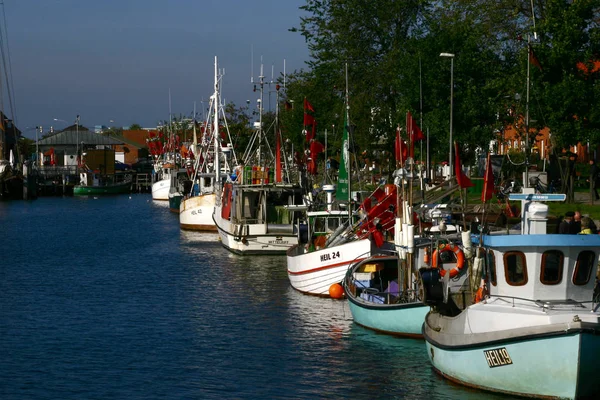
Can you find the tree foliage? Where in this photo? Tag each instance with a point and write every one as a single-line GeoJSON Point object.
{"type": "Point", "coordinates": [387, 55]}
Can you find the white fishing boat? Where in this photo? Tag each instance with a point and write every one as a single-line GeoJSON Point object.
{"type": "Point", "coordinates": [332, 240]}
{"type": "Point", "coordinates": [257, 213]}
{"type": "Point", "coordinates": [211, 166]}
{"type": "Point", "coordinates": [534, 328]}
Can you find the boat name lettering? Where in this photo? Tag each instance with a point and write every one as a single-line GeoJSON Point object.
{"type": "Point", "coordinates": [497, 357]}
{"type": "Point", "coordinates": [196, 212]}
{"type": "Point", "coordinates": [278, 240]}
{"type": "Point", "coordinates": [330, 256]}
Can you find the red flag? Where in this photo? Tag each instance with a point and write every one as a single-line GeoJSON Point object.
{"type": "Point", "coordinates": [400, 147]}
{"type": "Point", "coordinates": [462, 179]}
{"type": "Point", "coordinates": [308, 119]}
{"type": "Point", "coordinates": [488, 181]}
{"type": "Point", "coordinates": [417, 134]}
{"type": "Point", "coordinates": [534, 60]}
{"type": "Point", "coordinates": [308, 106]}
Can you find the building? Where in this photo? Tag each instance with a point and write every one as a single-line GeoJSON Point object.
{"type": "Point", "coordinates": [63, 148]}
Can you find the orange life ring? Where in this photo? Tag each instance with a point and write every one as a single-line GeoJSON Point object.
{"type": "Point", "coordinates": [460, 259]}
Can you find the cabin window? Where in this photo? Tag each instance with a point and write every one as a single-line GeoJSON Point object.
{"type": "Point", "coordinates": [491, 266]}
{"type": "Point", "coordinates": [552, 267]}
{"type": "Point", "coordinates": [515, 268]}
{"type": "Point", "coordinates": [586, 263]}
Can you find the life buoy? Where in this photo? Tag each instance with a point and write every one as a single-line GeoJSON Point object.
{"type": "Point", "coordinates": [460, 259]}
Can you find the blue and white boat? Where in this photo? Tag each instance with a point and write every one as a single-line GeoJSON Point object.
{"type": "Point", "coordinates": [378, 302]}
{"type": "Point", "coordinates": [535, 332]}
{"type": "Point", "coordinates": [386, 298]}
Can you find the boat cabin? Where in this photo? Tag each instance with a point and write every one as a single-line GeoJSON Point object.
{"type": "Point", "coordinates": [542, 267]}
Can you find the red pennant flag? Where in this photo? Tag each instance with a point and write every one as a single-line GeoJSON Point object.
{"type": "Point", "coordinates": [417, 134]}
{"type": "Point", "coordinates": [414, 131]}
{"type": "Point", "coordinates": [308, 119]}
{"type": "Point", "coordinates": [308, 106]}
{"type": "Point", "coordinates": [534, 60]}
{"type": "Point", "coordinates": [488, 181]}
{"type": "Point", "coordinates": [400, 148]}
{"type": "Point", "coordinates": [462, 179]}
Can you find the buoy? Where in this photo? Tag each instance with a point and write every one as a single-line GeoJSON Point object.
{"type": "Point", "coordinates": [426, 256]}
{"type": "Point", "coordinates": [336, 291]}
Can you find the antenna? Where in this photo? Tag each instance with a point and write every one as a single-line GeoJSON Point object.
{"type": "Point", "coordinates": [533, 19]}
{"type": "Point", "coordinates": [251, 63]}
{"type": "Point", "coordinates": [284, 73]}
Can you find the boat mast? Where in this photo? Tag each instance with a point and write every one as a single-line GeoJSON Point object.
{"type": "Point", "coordinates": [346, 148]}
{"type": "Point", "coordinates": [216, 130]}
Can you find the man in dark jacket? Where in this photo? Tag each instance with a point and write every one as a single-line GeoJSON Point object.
{"type": "Point", "coordinates": [566, 226]}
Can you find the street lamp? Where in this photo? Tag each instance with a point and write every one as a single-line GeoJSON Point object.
{"type": "Point", "coordinates": [37, 145]}
{"type": "Point", "coordinates": [451, 56]}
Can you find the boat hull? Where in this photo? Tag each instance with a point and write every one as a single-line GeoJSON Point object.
{"type": "Point", "coordinates": [314, 272]}
{"type": "Point", "coordinates": [554, 365]}
{"type": "Point", "coordinates": [392, 319]}
{"type": "Point", "coordinates": [196, 213]}
{"type": "Point", "coordinates": [254, 238]}
{"type": "Point", "coordinates": [160, 189]}
{"type": "Point", "coordinates": [175, 202]}
{"type": "Point", "coordinates": [80, 190]}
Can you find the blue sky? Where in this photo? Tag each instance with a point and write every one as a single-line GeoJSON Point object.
{"type": "Point", "coordinates": [117, 59]}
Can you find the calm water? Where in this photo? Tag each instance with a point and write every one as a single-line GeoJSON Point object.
{"type": "Point", "coordinates": [107, 298]}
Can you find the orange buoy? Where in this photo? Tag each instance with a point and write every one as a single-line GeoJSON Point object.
{"type": "Point", "coordinates": [336, 291]}
{"type": "Point", "coordinates": [426, 256]}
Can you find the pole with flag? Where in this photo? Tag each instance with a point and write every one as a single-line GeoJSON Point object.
{"type": "Point", "coordinates": [343, 186]}
{"type": "Point", "coordinates": [488, 185]}
{"type": "Point", "coordinates": [463, 180]}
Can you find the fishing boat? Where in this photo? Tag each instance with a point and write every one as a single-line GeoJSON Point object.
{"type": "Point", "coordinates": [258, 212]}
{"type": "Point", "coordinates": [335, 236]}
{"type": "Point", "coordinates": [92, 183]}
{"type": "Point", "coordinates": [332, 240]}
{"type": "Point", "coordinates": [161, 188]}
{"type": "Point", "coordinates": [212, 166]}
{"type": "Point", "coordinates": [533, 328]}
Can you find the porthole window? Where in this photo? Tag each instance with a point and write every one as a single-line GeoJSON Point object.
{"type": "Point", "coordinates": [586, 263]}
{"type": "Point", "coordinates": [515, 268]}
{"type": "Point", "coordinates": [491, 265]}
{"type": "Point", "coordinates": [552, 267]}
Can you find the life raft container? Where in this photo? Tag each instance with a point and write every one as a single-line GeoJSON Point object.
{"type": "Point", "coordinates": [460, 259]}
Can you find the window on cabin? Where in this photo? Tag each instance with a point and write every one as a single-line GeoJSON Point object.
{"type": "Point", "coordinates": [515, 268]}
{"type": "Point", "coordinates": [586, 263]}
{"type": "Point", "coordinates": [491, 266]}
{"type": "Point", "coordinates": [552, 267]}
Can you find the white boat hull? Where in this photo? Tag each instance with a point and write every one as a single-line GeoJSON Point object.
{"type": "Point", "coordinates": [254, 238]}
{"type": "Point", "coordinates": [160, 190]}
{"type": "Point", "coordinates": [314, 272]}
{"type": "Point", "coordinates": [196, 213]}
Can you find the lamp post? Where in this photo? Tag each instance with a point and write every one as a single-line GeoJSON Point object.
{"type": "Point", "coordinates": [77, 159]}
{"type": "Point", "coordinates": [37, 145]}
{"type": "Point", "coordinates": [451, 56]}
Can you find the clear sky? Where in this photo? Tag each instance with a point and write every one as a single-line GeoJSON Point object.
{"type": "Point", "coordinates": [117, 60]}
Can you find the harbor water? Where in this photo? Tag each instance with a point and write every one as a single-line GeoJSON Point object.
{"type": "Point", "coordinates": [106, 298]}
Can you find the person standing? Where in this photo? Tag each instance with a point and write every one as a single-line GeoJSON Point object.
{"type": "Point", "coordinates": [585, 226]}
{"type": "Point", "coordinates": [566, 225]}
{"type": "Point", "coordinates": [594, 179]}
{"type": "Point", "coordinates": [577, 222]}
